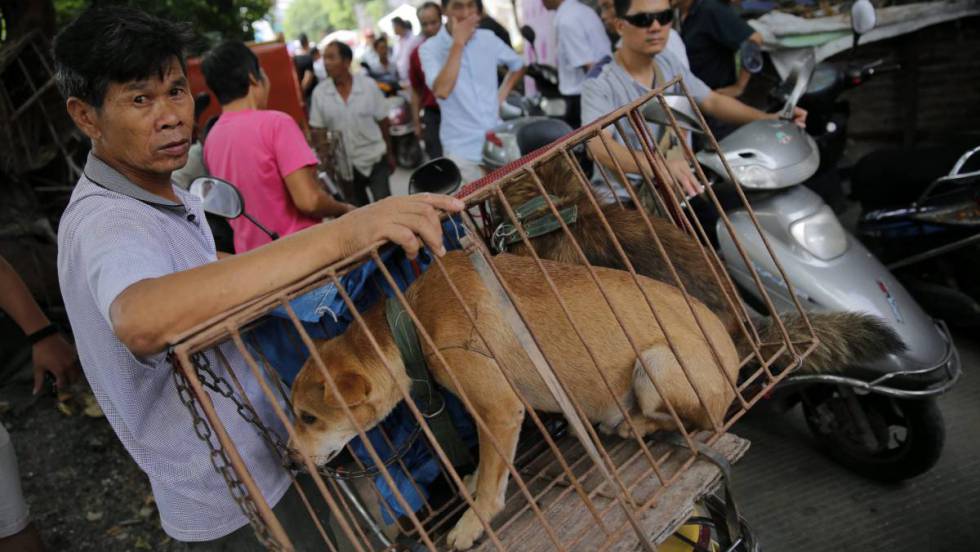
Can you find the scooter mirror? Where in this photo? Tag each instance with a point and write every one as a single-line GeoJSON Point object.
{"type": "Point", "coordinates": [439, 176]}
{"type": "Point", "coordinates": [800, 75]}
{"type": "Point", "coordinates": [220, 198]}
{"type": "Point", "coordinates": [528, 33]}
{"type": "Point", "coordinates": [750, 55]}
{"type": "Point", "coordinates": [863, 17]}
{"type": "Point", "coordinates": [682, 110]}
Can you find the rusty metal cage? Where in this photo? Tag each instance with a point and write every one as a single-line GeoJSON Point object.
{"type": "Point", "coordinates": [552, 325]}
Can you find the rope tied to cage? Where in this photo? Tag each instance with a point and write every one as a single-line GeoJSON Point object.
{"type": "Point", "coordinates": [536, 219]}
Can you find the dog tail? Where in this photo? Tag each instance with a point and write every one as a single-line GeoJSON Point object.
{"type": "Point", "coordinates": [846, 339]}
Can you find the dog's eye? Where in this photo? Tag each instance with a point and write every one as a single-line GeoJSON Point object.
{"type": "Point", "coordinates": [307, 418]}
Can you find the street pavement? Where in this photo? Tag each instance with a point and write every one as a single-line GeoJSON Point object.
{"type": "Point", "coordinates": [796, 499]}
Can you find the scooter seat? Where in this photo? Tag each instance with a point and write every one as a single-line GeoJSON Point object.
{"type": "Point", "coordinates": [540, 133]}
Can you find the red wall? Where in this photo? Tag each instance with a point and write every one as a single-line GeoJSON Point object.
{"type": "Point", "coordinates": [284, 94]}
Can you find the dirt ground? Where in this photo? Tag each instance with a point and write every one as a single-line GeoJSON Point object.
{"type": "Point", "coordinates": [85, 492]}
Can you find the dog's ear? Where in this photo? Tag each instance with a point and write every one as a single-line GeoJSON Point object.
{"type": "Point", "coordinates": [354, 389]}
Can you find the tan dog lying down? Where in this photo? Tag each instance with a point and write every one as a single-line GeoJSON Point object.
{"type": "Point", "coordinates": [323, 429]}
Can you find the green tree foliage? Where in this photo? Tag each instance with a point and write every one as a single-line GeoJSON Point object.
{"type": "Point", "coordinates": [215, 19]}
{"type": "Point", "coordinates": [317, 17]}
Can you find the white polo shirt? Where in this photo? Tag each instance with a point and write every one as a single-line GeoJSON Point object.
{"type": "Point", "coordinates": [581, 40]}
{"type": "Point", "coordinates": [356, 118]}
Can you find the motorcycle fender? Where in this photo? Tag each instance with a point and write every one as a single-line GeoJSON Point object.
{"type": "Point", "coordinates": [854, 281]}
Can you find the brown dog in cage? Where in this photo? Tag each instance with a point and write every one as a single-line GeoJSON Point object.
{"type": "Point", "coordinates": [482, 372]}
{"type": "Point", "coordinates": [846, 338]}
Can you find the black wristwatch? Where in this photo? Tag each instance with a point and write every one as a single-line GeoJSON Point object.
{"type": "Point", "coordinates": [43, 333]}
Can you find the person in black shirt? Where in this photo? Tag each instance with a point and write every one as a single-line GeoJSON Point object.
{"type": "Point", "coordinates": [491, 24]}
{"type": "Point", "coordinates": [303, 61]}
{"type": "Point", "coordinates": [713, 34]}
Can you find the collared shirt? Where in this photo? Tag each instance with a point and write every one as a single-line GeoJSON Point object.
{"type": "Point", "coordinates": [113, 234]}
{"type": "Point", "coordinates": [472, 107]}
{"type": "Point", "coordinates": [356, 119]}
{"type": "Point", "coordinates": [610, 87]}
{"type": "Point", "coordinates": [582, 40]}
{"type": "Point", "coordinates": [713, 33]}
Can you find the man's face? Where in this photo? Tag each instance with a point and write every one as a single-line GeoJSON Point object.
{"type": "Point", "coordinates": [460, 9]}
{"type": "Point", "coordinates": [649, 40]}
{"type": "Point", "coordinates": [334, 63]}
{"type": "Point", "coordinates": [431, 22]}
{"type": "Point", "coordinates": [146, 125]}
{"type": "Point", "coordinates": [607, 12]}
{"type": "Point", "coordinates": [381, 48]}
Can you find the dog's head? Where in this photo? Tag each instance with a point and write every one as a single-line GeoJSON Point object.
{"type": "Point", "coordinates": [322, 426]}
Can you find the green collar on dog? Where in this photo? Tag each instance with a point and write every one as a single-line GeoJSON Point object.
{"type": "Point", "coordinates": [537, 220]}
{"type": "Point", "coordinates": [427, 396]}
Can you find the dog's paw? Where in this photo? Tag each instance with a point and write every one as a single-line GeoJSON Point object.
{"type": "Point", "coordinates": [467, 530]}
{"type": "Point", "coordinates": [469, 482]}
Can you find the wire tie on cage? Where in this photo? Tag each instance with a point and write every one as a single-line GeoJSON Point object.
{"type": "Point", "coordinates": [424, 391]}
{"type": "Point", "coordinates": [537, 220]}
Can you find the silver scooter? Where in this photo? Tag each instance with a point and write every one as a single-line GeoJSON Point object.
{"type": "Point", "coordinates": [881, 420]}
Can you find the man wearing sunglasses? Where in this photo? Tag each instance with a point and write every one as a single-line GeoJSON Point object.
{"type": "Point", "coordinates": [641, 64]}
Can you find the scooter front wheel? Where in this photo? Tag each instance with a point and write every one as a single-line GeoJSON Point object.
{"type": "Point", "coordinates": [879, 437]}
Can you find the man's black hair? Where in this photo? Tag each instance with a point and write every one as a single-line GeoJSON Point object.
{"type": "Point", "coordinates": [479, 7]}
{"type": "Point", "coordinates": [622, 7]}
{"type": "Point", "coordinates": [115, 44]}
{"type": "Point", "coordinates": [304, 40]}
{"type": "Point", "coordinates": [344, 50]}
{"type": "Point", "coordinates": [227, 69]}
{"type": "Point", "coordinates": [381, 38]}
{"type": "Point", "coordinates": [399, 22]}
{"type": "Point", "coordinates": [430, 6]}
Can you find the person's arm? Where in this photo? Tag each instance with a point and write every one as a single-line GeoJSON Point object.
{"type": "Point", "coordinates": [381, 117]}
{"type": "Point", "coordinates": [510, 81]}
{"type": "Point", "coordinates": [151, 313]}
{"type": "Point", "coordinates": [310, 198]}
{"type": "Point", "coordinates": [515, 65]}
{"type": "Point", "coordinates": [52, 353]}
{"type": "Point", "coordinates": [733, 111]}
{"type": "Point", "coordinates": [445, 80]}
{"type": "Point", "coordinates": [416, 109]}
{"type": "Point", "coordinates": [307, 82]}
{"type": "Point", "coordinates": [735, 90]}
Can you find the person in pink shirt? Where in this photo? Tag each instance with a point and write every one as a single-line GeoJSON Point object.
{"type": "Point", "coordinates": [262, 152]}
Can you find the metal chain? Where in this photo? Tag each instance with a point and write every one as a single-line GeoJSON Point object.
{"type": "Point", "coordinates": [220, 462]}
{"type": "Point", "coordinates": [220, 385]}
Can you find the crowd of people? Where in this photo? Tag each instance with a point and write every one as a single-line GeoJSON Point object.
{"type": "Point", "coordinates": [138, 264]}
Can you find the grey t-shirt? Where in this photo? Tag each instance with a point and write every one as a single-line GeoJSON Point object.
{"type": "Point", "coordinates": [609, 87]}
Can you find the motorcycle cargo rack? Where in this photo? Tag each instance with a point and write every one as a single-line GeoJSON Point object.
{"type": "Point", "coordinates": [569, 486]}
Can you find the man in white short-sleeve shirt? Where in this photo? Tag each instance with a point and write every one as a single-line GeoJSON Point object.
{"type": "Point", "coordinates": [353, 105]}
{"type": "Point", "coordinates": [582, 42]}
{"type": "Point", "coordinates": [138, 268]}
{"type": "Point", "coordinates": [460, 66]}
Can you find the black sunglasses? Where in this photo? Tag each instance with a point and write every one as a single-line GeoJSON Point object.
{"type": "Point", "coordinates": [645, 19]}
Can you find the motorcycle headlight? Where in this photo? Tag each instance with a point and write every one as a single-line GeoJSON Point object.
{"type": "Point", "coordinates": [821, 234]}
{"type": "Point", "coordinates": [755, 177]}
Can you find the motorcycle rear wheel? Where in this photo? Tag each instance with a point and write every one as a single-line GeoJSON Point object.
{"type": "Point", "coordinates": [909, 433]}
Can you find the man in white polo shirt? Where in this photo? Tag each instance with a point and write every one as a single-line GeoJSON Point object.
{"type": "Point", "coordinates": [138, 268]}
{"type": "Point", "coordinates": [582, 42]}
